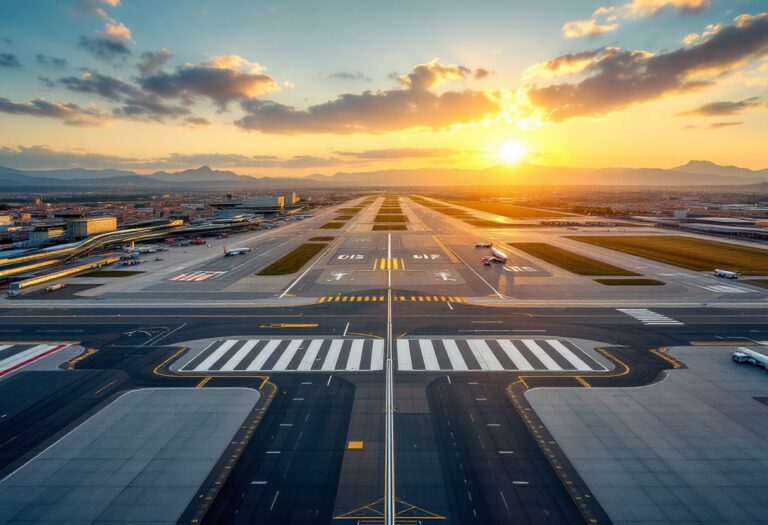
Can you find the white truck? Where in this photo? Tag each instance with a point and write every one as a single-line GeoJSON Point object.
{"type": "Point", "coordinates": [750, 357]}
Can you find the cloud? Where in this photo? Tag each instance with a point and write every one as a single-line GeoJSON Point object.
{"type": "Point", "coordinates": [718, 125]}
{"type": "Point", "coordinates": [591, 27]}
{"type": "Point", "coordinates": [196, 122]}
{"type": "Point", "coordinates": [45, 157]}
{"type": "Point", "coordinates": [481, 73]}
{"type": "Point", "coordinates": [135, 102]}
{"type": "Point", "coordinates": [615, 78]}
{"type": "Point", "coordinates": [709, 31]}
{"type": "Point", "coordinates": [117, 30]}
{"type": "Point", "coordinates": [106, 48]}
{"type": "Point", "coordinates": [9, 60]}
{"type": "Point", "coordinates": [152, 61]}
{"type": "Point", "coordinates": [71, 114]}
{"type": "Point", "coordinates": [6, 41]}
{"type": "Point", "coordinates": [606, 19]}
{"type": "Point", "coordinates": [564, 65]}
{"type": "Point", "coordinates": [400, 153]}
{"type": "Point", "coordinates": [725, 107]}
{"type": "Point", "coordinates": [414, 105]}
{"type": "Point", "coordinates": [55, 62]}
{"type": "Point", "coordinates": [344, 75]}
{"type": "Point", "coordinates": [221, 79]}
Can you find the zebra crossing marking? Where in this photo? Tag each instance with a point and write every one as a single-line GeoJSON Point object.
{"type": "Point", "coordinates": [517, 355]}
{"type": "Point", "coordinates": [727, 288]}
{"type": "Point", "coordinates": [649, 317]}
{"type": "Point", "coordinates": [288, 355]}
{"type": "Point", "coordinates": [202, 275]}
{"type": "Point", "coordinates": [396, 298]}
{"type": "Point", "coordinates": [384, 263]}
{"type": "Point", "coordinates": [522, 269]}
{"type": "Point", "coordinates": [16, 356]}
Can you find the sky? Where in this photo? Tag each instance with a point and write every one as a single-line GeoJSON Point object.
{"type": "Point", "coordinates": [295, 87]}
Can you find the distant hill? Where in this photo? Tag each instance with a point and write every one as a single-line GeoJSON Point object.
{"type": "Point", "coordinates": [694, 173]}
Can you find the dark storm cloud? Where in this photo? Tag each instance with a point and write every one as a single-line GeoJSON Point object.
{"type": "Point", "coordinates": [617, 78]}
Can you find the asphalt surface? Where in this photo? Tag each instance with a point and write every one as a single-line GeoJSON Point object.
{"type": "Point", "coordinates": [467, 447]}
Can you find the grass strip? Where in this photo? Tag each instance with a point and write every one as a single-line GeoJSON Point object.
{"type": "Point", "coordinates": [572, 262]}
{"type": "Point", "coordinates": [630, 282]}
{"type": "Point", "coordinates": [321, 239]}
{"type": "Point", "coordinates": [331, 225]}
{"type": "Point", "coordinates": [686, 252]}
{"type": "Point", "coordinates": [389, 227]}
{"type": "Point", "coordinates": [506, 210]}
{"type": "Point", "coordinates": [110, 273]}
{"type": "Point", "coordinates": [342, 218]}
{"type": "Point", "coordinates": [293, 261]}
{"type": "Point", "coordinates": [391, 218]}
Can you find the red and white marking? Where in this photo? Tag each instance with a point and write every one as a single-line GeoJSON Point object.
{"type": "Point", "coordinates": [197, 276]}
{"type": "Point", "coordinates": [24, 355]}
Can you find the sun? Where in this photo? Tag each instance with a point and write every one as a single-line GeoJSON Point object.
{"type": "Point", "coordinates": [511, 152]}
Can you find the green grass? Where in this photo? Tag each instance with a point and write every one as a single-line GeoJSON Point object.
{"type": "Point", "coordinates": [506, 210]}
{"type": "Point", "coordinates": [332, 226]}
{"type": "Point", "coordinates": [386, 227]}
{"type": "Point", "coordinates": [629, 282]}
{"type": "Point", "coordinates": [481, 223]}
{"type": "Point", "coordinates": [687, 252]}
{"type": "Point", "coordinates": [342, 218]}
{"type": "Point", "coordinates": [110, 273]}
{"type": "Point", "coordinates": [293, 262]}
{"type": "Point", "coordinates": [391, 218]}
{"type": "Point", "coordinates": [321, 239]}
{"type": "Point", "coordinates": [570, 261]}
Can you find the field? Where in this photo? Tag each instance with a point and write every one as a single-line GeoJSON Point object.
{"type": "Point", "coordinates": [506, 210]}
{"type": "Point", "coordinates": [332, 226]}
{"type": "Point", "coordinates": [110, 273]}
{"type": "Point", "coordinates": [687, 252]}
{"type": "Point", "coordinates": [390, 227]}
{"type": "Point", "coordinates": [481, 223]}
{"type": "Point", "coordinates": [391, 218]}
{"type": "Point", "coordinates": [570, 261]}
{"type": "Point", "coordinates": [293, 261]}
{"type": "Point", "coordinates": [342, 218]}
{"type": "Point", "coordinates": [630, 282]}
{"type": "Point", "coordinates": [321, 239]}
{"type": "Point", "coordinates": [349, 210]}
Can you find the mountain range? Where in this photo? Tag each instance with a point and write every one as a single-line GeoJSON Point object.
{"type": "Point", "coordinates": [694, 173]}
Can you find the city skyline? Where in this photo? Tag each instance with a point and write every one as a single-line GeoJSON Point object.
{"type": "Point", "coordinates": [295, 88]}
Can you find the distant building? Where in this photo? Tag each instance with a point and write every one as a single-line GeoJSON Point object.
{"type": "Point", "coordinates": [262, 206]}
{"type": "Point", "coordinates": [45, 233]}
{"type": "Point", "coordinates": [291, 199]}
{"type": "Point", "coordinates": [6, 220]}
{"type": "Point", "coordinates": [81, 228]}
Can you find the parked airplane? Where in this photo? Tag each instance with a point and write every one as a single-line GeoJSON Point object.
{"type": "Point", "coordinates": [235, 251]}
{"type": "Point", "coordinates": [726, 274]}
{"type": "Point", "coordinates": [745, 355]}
{"type": "Point", "coordinates": [498, 254]}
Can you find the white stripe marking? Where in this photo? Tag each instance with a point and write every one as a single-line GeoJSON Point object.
{"type": "Point", "coordinates": [216, 355]}
{"type": "Point", "coordinates": [355, 355]}
{"type": "Point", "coordinates": [568, 355]}
{"type": "Point", "coordinates": [309, 358]}
{"type": "Point", "coordinates": [377, 358]}
{"type": "Point", "coordinates": [265, 354]}
{"type": "Point", "coordinates": [404, 355]}
{"type": "Point", "coordinates": [428, 354]}
{"type": "Point", "coordinates": [520, 362]}
{"type": "Point", "coordinates": [288, 354]}
{"type": "Point", "coordinates": [239, 355]}
{"type": "Point", "coordinates": [541, 355]}
{"type": "Point", "coordinates": [333, 355]}
{"type": "Point", "coordinates": [484, 355]}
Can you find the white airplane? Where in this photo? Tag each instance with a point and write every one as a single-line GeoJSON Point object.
{"type": "Point", "coordinates": [235, 251]}
{"type": "Point", "coordinates": [745, 355]}
{"type": "Point", "coordinates": [725, 274]}
{"type": "Point", "coordinates": [498, 254]}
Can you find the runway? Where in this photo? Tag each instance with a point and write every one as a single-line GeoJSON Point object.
{"type": "Point", "coordinates": [461, 443]}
